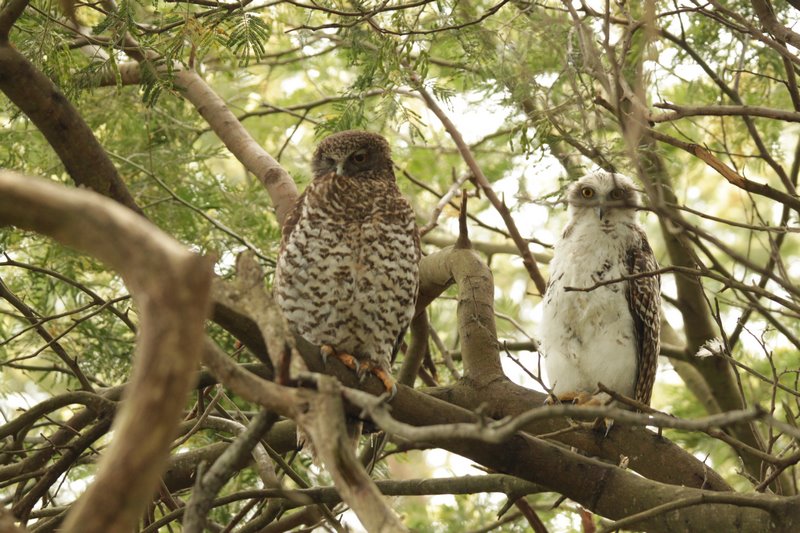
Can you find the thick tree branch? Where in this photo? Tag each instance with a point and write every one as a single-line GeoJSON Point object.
{"type": "Point", "coordinates": [275, 179]}
{"type": "Point", "coordinates": [173, 307]}
{"type": "Point", "coordinates": [766, 15]}
{"type": "Point", "coordinates": [280, 186]}
{"type": "Point", "coordinates": [61, 124]}
{"type": "Point", "coordinates": [8, 16]}
{"type": "Point", "coordinates": [324, 422]}
{"type": "Point", "coordinates": [601, 487]}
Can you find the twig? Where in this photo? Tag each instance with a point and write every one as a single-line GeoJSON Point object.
{"type": "Point", "coordinates": [733, 499]}
{"type": "Point", "coordinates": [442, 203]}
{"type": "Point", "coordinates": [53, 343]}
{"type": "Point", "coordinates": [483, 182]}
{"type": "Point", "coordinates": [223, 468]}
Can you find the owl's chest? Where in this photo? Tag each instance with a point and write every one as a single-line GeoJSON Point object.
{"type": "Point", "coordinates": [587, 276]}
{"type": "Point", "coordinates": [323, 243]}
{"type": "Point", "coordinates": [347, 258]}
{"type": "Point", "coordinates": [349, 282]}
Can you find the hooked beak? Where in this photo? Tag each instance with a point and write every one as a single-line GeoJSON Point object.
{"type": "Point", "coordinates": [601, 211]}
{"type": "Point", "coordinates": [340, 168]}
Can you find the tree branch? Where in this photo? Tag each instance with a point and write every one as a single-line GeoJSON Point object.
{"type": "Point", "coordinates": [276, 180]}
{"type": "Point", "coordinates": [483, 182]}
{"type": "Point", "coordinates": [173, 308]}
{"type": "Point", "coordinates": [8, 16]}
{"type": "Point", "coordinates": [221, 471]}
{"type": "Point", "coordinates": [63, 127]}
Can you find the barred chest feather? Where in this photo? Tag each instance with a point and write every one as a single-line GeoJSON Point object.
{"type": "Point", "coordinates": [588, 336]}
{"type": "Point", "coordinates": [348, 273]}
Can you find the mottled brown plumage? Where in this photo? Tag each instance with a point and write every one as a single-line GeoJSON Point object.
{"type": "Point", "coordinates": [347, 273]}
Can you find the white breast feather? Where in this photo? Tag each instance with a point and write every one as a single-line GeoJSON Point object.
{"type": "Point", "coordinates": [588, 337]}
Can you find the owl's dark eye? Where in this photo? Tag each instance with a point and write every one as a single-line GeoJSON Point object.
{"type": "Point", "coordinates": [587, 192]}
{"type": "Point", "coordinates": [616, 194]}
{"type": "Point", "coordinates": [359, 157]}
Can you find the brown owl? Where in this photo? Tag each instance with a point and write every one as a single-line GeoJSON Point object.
{"type": "Point", "coordinates": [348, 270]}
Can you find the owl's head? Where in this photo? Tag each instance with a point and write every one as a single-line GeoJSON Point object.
{"type": "Point", "coordinates": [353, 153]}
{"type": "Point", "coordinates": [612, 197]}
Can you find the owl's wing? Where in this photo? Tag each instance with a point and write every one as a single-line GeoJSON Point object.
{"type": "Point", "coordinates": [292, 218]}
{"type": "Point", "coordinates": [644, 301]}
{"type": "Point", "coordinates": [407, 213]}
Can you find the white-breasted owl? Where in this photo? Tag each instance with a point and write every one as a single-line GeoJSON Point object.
{"type": "Point", "coordinates": [609, 334]}
{"type": "Point", "coordinates": [347, 273]}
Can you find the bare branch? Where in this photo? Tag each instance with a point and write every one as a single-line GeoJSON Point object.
{"type": "Point", "coordinates": [223, 468]}
{"type": "Point", "coordinates": [62, 126]}
{"type": "Point", "coordinates": [766, 16]}
{"type": "Point", "coordinates": [728, 173]}
{"type": "Point", "coordinates": [272, 175]}
{"type": "Point", "coordinates": [483, 182]}
{"type": "Point", "coordinates": [679, 112]}
{"type": "Point", "coordinates": [173, 309]}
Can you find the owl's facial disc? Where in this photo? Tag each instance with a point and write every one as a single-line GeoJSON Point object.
{"type": "Point", "coordinates": [605, 195]}
{"type": "Point", "coordinates": [356, 162]}
{"type": "Point", "coordinates": [353, 154]}
{"type": "Point", "coordinates": [323, 164]}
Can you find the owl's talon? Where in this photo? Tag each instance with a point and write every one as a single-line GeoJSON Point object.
{"type": "Point", "coordinates": [369, 367]}
{"type": "Point", "coordinates": [584, 398]}
{"type": "Point", "coordinates": [609, 423]}
{"type": "Point", "coordinates": [346, 359]}
{"type": "Point", "coordinates": [326, 350]}
{"type": "Point", "coordinates": [362, 370]}
{"type": "Point", "coordinates": [392, 392]}
{"type": "Point", "coordinates": [387, 380]}
{"type": "Point", "coordinates": [571, 397]}
{"type": "Point", "coordinates": [604, 425]}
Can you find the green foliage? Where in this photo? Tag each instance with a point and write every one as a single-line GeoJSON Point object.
{"type": "Point", "coordinates": [291, 84]}
{"type": "Point", "coordinates": [248, 38]}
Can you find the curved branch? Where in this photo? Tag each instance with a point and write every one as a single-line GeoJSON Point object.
{"type": "Point", "coordinates": [276, 180]}
{"type": "Point", "coordinates": [728, 173]}
{"type": "Point", "coordinates": [173, 307]}
{"type": "Point", "coordinates": [96, 402]}
{"type": "Point", "coordinates": [770, 22]}
{"type": "Point", "coordinates": [63, 127]}
{"type": "Point", "coordinates": [9, 15]}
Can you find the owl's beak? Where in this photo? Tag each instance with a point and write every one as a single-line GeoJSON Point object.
{"type": "Point", "coordinates": [601, 211]}
{"type": "Point", "coordinates": [340, 168]}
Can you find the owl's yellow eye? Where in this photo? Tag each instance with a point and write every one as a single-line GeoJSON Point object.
{"type": "Point", "coordinates": [587, 192]}
{"type": "Point", "coordinates": [616, 194]}
{"type": "Point", "coordinates": [359, 157]}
